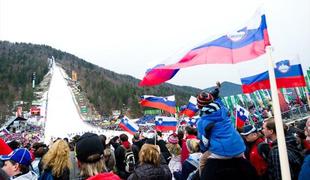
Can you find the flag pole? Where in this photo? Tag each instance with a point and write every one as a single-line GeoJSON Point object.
{"type": "Point", "coordinates": [285, 169]}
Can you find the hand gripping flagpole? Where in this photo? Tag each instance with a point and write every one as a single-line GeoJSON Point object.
{"type": "Point", "coordinates": [285, 169]}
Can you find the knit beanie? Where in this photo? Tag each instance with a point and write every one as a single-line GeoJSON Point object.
{"type": "Point", "coordinates": [203, 99]}
{"type": "Point", "coordinates": [173, 139]}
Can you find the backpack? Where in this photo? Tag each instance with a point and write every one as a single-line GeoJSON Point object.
{"type": "Point", "coordinates": [129, 161]}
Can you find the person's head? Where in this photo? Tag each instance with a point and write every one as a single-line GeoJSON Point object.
{"type": "Point", "coordinates": [150, 154]}
{"type": "Point", "coordinates": [190, 131]}
{"type": "Point", "coordinates": [17, 162]}
{"type": "Point", "coordinates": [103, 139]}
{"type": "Point", "coordinates": [151, 134]}
{"type": "Point", "coordinates": [173, 144]}
{"type": "Point", "coordinates": [57, 157]}
{"type": "Point", "coordinates": [14, 144]}
{"type": "Point", "coordinates": [269, 128]}
{"type": "Point", "coordinates": [192, 145]}
{"type": "Point", "coordinates": [204, 99]}
{"type": "Point", "coordinates": [114, 140]}
{"type": "Point", "coordinates": [89, 152]}
{"type": "Point", "coordinates": [159, 134]}
{"type": "Point", "coordinates": [39, 149]}
{"type": "Point", "coordinates": [249, 132]}
{"type": "Point", "coordinates": [123, 137]}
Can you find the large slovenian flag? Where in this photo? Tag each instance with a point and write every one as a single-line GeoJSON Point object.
{"type": "Point", "coordinates": [191, 109]}
{"type": "Point", "coordinates": [128, 125]}
{"type": "Point", "coordinates": [288, 74]}
{"type": "Point", "coordinates": [245, 44]}
{"type": "Point", "coordinates": [164, 103]}
{"type": "Point", "coordinates": [166, 123]}
{"type": "Point", "coordinates": [242, 115]}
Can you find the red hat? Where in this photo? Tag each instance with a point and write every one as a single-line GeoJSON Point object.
{"type": "Point", "coordinates": [203, 99]}
{"type": "Point", "coordinates": [173, 138]}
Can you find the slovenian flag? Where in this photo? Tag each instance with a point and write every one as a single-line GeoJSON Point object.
{"type": "Point", "coordinates": [128, 125]}
{"type": "Point", "coordinates": [192, 122]}
{"type": "Point", "coordinates": [245, 44]}
{"type": "Point", "coordinates": [165, 123]}
{"type": "Point", "coordinates": [191, 109]}
{"type": "Point", "coordinates": [164, 103]}
{"type": "Point", "coordinates": [242, 115]}
{"type": "Point", "coordinates": [288, 74]}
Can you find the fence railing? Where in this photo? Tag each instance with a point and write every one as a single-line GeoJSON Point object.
{"type": "Point", "coordinates": [296, 113]}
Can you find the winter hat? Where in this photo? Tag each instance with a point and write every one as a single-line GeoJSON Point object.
{"type": "Point", "coordinates": [89, 144]}
{"type": "Point", "coordinates": [203, 99]}
{"type": "Point", "coordinates": [248, 129]}
{"type": "Point", "coordinates": [20, 155]}
{"type": "Point", "coordinates": [173, 139]}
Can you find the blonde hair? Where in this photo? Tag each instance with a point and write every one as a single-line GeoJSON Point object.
{"type": "Point", "coordinates": [149, 153]}
{"type": "Point", "coordinates": [57, 158]}
{"type": "Point", "coordinates": [92, 169]}
{"type": "Point", "coordinates": [174, 149]}
{"type": "Point", "coordinates": [192, 145]}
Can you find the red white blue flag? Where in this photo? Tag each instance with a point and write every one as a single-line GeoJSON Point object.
{"type": "Point", "coordinates": [128, 125]}
{"type": "Point", "coordinates": [165, 123]}
{"type": "Point", "coordinates": [288, 74]}
{"type": "Point", "coordinates": [191, 108]}
{"type": "Point", "coordinates": [242, 116]}
{"type": "Point", "coordinates": [164, 103]}
{"type": "Point", "coordinates": [245, 44]}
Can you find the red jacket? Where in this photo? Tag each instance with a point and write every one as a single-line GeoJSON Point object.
{"type": "Point", "coordinates": [107, 175]}
{"type": "Point", "coordinates": [257, 160]}
{"type": "Point", "coordinates": [184, 151]}
{"type": "Point", "coordinates": [306, 144]}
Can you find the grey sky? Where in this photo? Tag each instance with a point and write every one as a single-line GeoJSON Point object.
{"type": "Point", "coordinates": [129, 37]}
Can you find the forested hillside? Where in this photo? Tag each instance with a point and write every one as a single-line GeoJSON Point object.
{"type": "Point", "coordinates": [105, 89]}
{"type": "Point", "coordinates": [17, 64]}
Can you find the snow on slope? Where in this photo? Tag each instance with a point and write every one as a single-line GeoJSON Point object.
{"type": "Point", "coordinates": [63, 118]}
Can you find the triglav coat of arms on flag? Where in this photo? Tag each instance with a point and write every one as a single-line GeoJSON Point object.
{"type": "Point", "coordinates": [283, 66]}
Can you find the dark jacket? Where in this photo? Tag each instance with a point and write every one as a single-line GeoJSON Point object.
{"type": "Point", "coordinates": [150, 172]}
{"type": "Point", "coordinates": [223, 169]}
{"type": "Point", "coordinates": [120, 165]}
{"type": "Point", "coordinates": [294, 158]}
{"type": "Point", "coordinates": [64, 176]}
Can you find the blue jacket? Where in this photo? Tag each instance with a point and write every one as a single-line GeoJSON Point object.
{"type": "Point", "coordinates": [305, 169]}
{"type": "Point", "coordinates": [224, 140]}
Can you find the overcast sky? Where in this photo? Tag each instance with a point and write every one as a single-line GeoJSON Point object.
{"type": "Point", "coordinates": [130, 36]}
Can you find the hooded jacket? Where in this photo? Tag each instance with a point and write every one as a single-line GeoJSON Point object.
{"type": "Point", "coordinates": [150, 172]}
{"type": "Point", "coordinates": [28, 176]}
{"type": "Point", "coordinates": [106, 175]}
{"type": "Point", "coordinates": [224, 140]}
